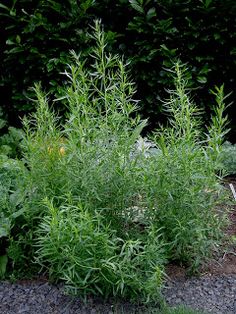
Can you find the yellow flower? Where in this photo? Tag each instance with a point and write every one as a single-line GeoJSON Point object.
{"type": "Point", "coordinates": [56, 147]}
{"type": "Point", "coordinates": [62, 151]}
{"type": "Point", "coordinates": [50, 150]}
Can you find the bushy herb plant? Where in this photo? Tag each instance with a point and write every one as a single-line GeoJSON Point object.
{"type": "Point", "coordinates": [87, 255]}
{"type": "Point", "coordinates": [96, 142]}
{"type": "Point", "coordinates": [104, 210]}
{"type": "Point", "coordinates": [89, 171]}
{"type": "Point", "coordinates": [184, 188]}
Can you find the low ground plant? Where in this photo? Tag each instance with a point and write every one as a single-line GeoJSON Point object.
{"type": "Point", "coordinates": [10, 138]}
{"type": "Point", "coordinates": [228, 158]}
{"type": "Point", "coordinates": [13, 222]}
{"type": "Point", "coordinates": [181, 310]}
{"type": "Point", "coordinates": [104, 211]}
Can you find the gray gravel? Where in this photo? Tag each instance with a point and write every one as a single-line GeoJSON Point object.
{"type": "Point", "coordinates": [43, 298]}
{"type": "Point", "coordinates": [212, 294]}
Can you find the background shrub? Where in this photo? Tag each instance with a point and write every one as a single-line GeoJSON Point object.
{"type": "Point", "coordinates": [35, 47]}
{"type": "Point", "coordinates": [197, 32]}
{"type": "Point", "coordinates": [37, 37]}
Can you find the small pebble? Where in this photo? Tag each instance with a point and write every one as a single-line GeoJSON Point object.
{"type": "Point", "coordinates": [211, 294]}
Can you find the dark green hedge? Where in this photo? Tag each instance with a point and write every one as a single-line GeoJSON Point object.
{"type": "Point", "coordinates": [37, 36]}
{"type": "Point", "coordinates": [200, 33]}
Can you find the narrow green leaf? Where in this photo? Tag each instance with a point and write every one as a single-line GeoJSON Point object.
{"type": "Point", "coordinates": [202, 79]}
{"type": "Point", "coordinates": [4, 7]}
{"type": "Point", "coordinates": [151, 13]}
{"type": "Point", "coordinates": [10, 42]}
{"type": "Point", "coordinates": [135, 5]}
{"type": "Point", "coordinates": [3, 265]}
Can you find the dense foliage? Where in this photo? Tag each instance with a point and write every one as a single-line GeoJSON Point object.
{"type": "Point", "coordinates": [94, 205]}
{"type": "Point", "coordinates": [35, 47]}
{"type": "Point", "coordinates": [37, 36]}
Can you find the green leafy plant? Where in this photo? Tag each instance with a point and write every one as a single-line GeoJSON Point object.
{"type": "Point", "coordinates": [10, 142]}
{"type": "Point", "coordinates": [88, 256]}
{"type": "Point", "coordinates": [228, 158]}
{"type": "Point", "coordinates": [105, 209]}
{"type": "Point", "coordinates": [10, 138]}
{"type": "Point", "coordinates": [3, 265]}
{"type": "Point", "coordinates": [181, 310]}
{"type": "Point", "coordinates": [97, 140]}
{"type": "Point", "coordinates": [12, 213]}
{"type": "Point", "coordinates": [90, 172]}
{"type": "Point", "coordinates": [11, 197]}
{"type": "Point", "coordinates": [184, 191]}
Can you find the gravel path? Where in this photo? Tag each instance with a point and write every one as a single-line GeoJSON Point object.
{"type": "Point", "coordinates": [214, 294]}
{"type": "Point", "coordinates": [43, 298]}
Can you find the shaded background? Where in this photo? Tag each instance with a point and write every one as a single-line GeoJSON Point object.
{"type": "Point", "coordinates": [36, 37]}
